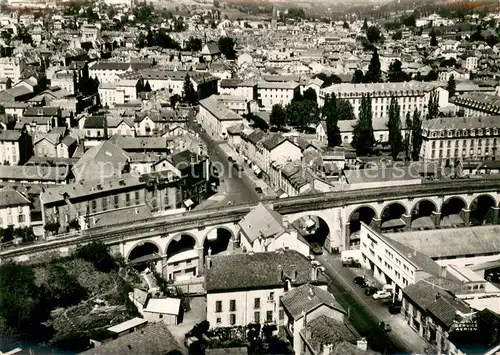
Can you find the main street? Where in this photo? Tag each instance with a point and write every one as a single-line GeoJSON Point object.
{"type": "Point", "coordinates": [365, 313]}
{"type": "Point", "coordinates": [239, 188]}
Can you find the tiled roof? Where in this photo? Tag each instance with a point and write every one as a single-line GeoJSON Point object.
{"type": "Point", "coordinates": [256, 136]}
{"type": "Point", "coordinates": [262, 270]}
{"type": "Point", "coordinates": [324, 330]}
{"type": "Point", "coordinates": [306, 298]}
{"type": "Point", "coordinates": [445, 310]}
{"type": "Point", "coordinates": [95, 122]}
{"type": "Point", "coordinates": [10, 198]}
{"type": "Point", "coordinates": [41, 111]}
{"type": "Point", "coordinates": [263, 222]}
{"type": "Point", "coordinates": [273, 141]}
{"type": "Point", "coordinates": [153, 339]}
{"type": "Point", "coordinates": [446, 123]}
{"type": "Point", "coordinates": [379, 87]}
{"type": "Point", "coordinates": [34, 173]}
{"type": "Point", "coordinates": [140, 143]}
{"type": "Point", "coordinates": [10, 135]}
{"type": "Point", "coordinates": [288, 85]}
{"type": "Point", "coordinates": [219, 110]}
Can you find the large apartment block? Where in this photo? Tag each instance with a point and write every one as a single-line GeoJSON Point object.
{"type": "Point", "coordinates": [476, 104]}
{"type": "Point", "coordinates": [410, 95]}
{"type": "Point", "coordinates": [12, 68]}
{"type": "Point", "coordinates": [451, 139]}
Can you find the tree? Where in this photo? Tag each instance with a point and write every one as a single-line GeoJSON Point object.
{"type": "Point", "coordinates": [297, 96]}
{"type": "Point", "coordinates": [433, 106]}
{"type": "Point", "coordinates": [398, 35]}
{"type": "Point", "coordinates": [62, 289]}
{"type": "Point", "coordinates": [394, 126]}
{"type": "Point", "coordinates": [431, 76]}
{"type": "Point", "coordinates": [396, 73]}
{"type": "Point", "coordinates": [97, 253]}
{"type": "Point", "coordinates": [434, 41]}
{"type": "Point", "coordinates": [416, 135]}
{"type": "Point", "coordinates": [226, 47]}
{"type": "Point", "coordinates": [24, 35]}
{"type": "Point", "coordinates": [329, 113]}
{"type": "Point", "coordinates": [358, 76]}
{"type": "Point", "coordinates": [345, 25]}
{"type": "Point", "coordinates": [19, 296]}
{"type": "Point", "coordinates": [345, 111]}
{"type": "Point", "coordinates": [373, 34]}
{"type": "Point", "coordinates": [278, 116]}
{"type": "Point", "coordinates": [302, 114]}
{"type": "Point", "coordinates": [365, 25]}
{"type": "Point", "coordinates": [363, 139]}
{"type": "Point", "coordinates": [141, 40]}
{"type": "Point", "coordinates": [174, 99]}
{"type": "Point", "coordinates": [407, 140]}
{"type": "Point", "coordinates": [193, 44]}
{"type": "Point", "coordinates": [374, 73]}
{"type": "Point", "coordinates": [452, 86]}
{"type": "Point", "coordinates": [310, 94]}
{"type": "Point", "coordinates": [189, 94]}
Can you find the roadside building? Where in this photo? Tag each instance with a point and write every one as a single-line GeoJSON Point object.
{"type": "Point", "coordinates": [217, 116]}
{"type": "Point", "coordinates": [15, 209]}
{"type": "Point", "coordinates": [240, 295]}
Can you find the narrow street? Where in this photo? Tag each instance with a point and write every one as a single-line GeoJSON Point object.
{"type": "Point", "coordinates": [365, 312]}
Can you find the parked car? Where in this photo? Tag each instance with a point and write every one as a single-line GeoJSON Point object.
{"type": "Point", "coordinates": [370, 290]}
{"type": "Point", "coordinates": [350, 262]}
{"type": "Point", "coordinates": [230, 159]}
{"type": "Point", "coordinates": [395, 307]}
{"type": "Point", "coordinates": [317, 249]}
{"type": "Point", "coordinates": [258, 189]}
{"type": "Point", "coordinates": [381, 295]}
{"type": "Point", "coordinates": [358, 280]}
{"type": "Point", "coordinates": [386, 327]}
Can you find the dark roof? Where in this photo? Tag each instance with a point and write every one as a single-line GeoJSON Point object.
{"type": "Point", "coordinates": [9, 197]}
{"type": "Point", "coordinates": [306, 298]}
{"type": "Point", "coordinates": [445, 309]}
{"type": "Point", "coordinates": [184, 158]}
{"type": "Point", "coordinates": [94, 122]}
{"type": "Point", "coordinates": [41, 111]}
{"type": "Point", "coordinates": [256, 136]}
{"type": "Point", "coordinates": [153, 339]}
{"type": "Point", "coordinates": [325, 330]}
{"type": "Point", "coordinates": [230, 83]}
{"type": "Point", "coordinates": [262, 270]}
{"type": "Point", "coordinates": [68, 140]}
{"type": "Point", "coordinates": [10, 135]}
{"type": "Point", "coordinates": [213, 48]}
{"type": "Point", "coordinates": [273, 141]}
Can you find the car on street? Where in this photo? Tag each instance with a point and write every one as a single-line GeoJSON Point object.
{"type": "Point", "coordinates": [258, 189]}
{"type": "Point", "coordinates": [381, 295]}
{"type": "Point", "coordinates": [230, 159]}
{"type": "Point", "coordinates": [370, 290]}
{"type": "Point", "coordinates": [316, 249]}
{"type": "Point", "coordinates": [386, 327]}
{"type": "Point", "coordinates": [395, 307]}
{"type": "Point", "coordinates": [350, 262]}
{"type": "Point", "coordinates": [359, 280]}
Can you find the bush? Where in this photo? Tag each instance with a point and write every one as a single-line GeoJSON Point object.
{"type": "Point", "coordinates": [97, 253]}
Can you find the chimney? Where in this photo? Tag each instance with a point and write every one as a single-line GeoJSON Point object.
{"type": "Point", "coordinates": [293, 275]}
{"type": "Point", "coordinates": [362, 344]}
{"type": "Point", "coordinates": [280, 273]}
{"type": "Point", "coordinates": [311, 292]}
{"type": "Point", "coordinates": [314, 272]}
{"type": "Point", "coordinates": [208, 260]}
{"type": "Point", "coordinates": [327, 349]}
{"type": "Point", "coordinates": [304, 319]}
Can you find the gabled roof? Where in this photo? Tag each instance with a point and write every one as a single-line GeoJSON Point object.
{"type": "Point", "coordinates": [273, 141]}
{"type": "Point", "coordinates": [10, 135]}
{"type": "Point", "coordinates": [261, 271]}
{"type": "Point", "coordinates": [41, 111]}
{"type": "Point", "coordinates": [96, 122]}
{"type": "Point", "coordinates": [10, 198]}
{"type": "Point", "coordinates": [263, 222]}
{"type": "Point", "coordinates": [305, 298]}
{"type": "Point", "coordinates": [153, 339]}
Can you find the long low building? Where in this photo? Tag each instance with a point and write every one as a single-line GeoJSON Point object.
{"type": "Point", "coordinates": [448, 140]}
{"type": "Point", "coordinates": [476, 104]}
{"type": "Point", "coordinates": [217, 116]}
{"type": "Point", "coordinates": [411, 96]}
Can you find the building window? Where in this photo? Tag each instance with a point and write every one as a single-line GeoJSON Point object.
{"type": "Point", "coordinates": [94, 205]}
{"type": "Point", "coordinates": [256, 303]}
{"type": "Point", "coordinates": [20, 218]}
{"type": "Point", "coordinates": [116, 201]}
{"type": "Point", "coordinates": [281, 314]}
{"type": "Point", "coordinates": [104, 203]}
{"type": "Point", "coordinates": [232, 319]}
{"type": "Point", "coordinates": [232, 305]}
{"type": "Point", "coordinates": [127, 199]}
{"type": "Point", "coordinates": [137, 197]}
{"type": "Point", "coordinates": [256, 317]}
{"type": "Point", "coordinates": [219, 320]}
{"type": "Point", "coordinates": [218, 306]}
{"type": "Point", "coordinates": [269, 316]}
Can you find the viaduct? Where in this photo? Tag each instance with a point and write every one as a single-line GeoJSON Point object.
{"type": "Point", "coordinates": [433, 204]}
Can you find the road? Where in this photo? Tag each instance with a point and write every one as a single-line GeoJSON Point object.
{"type": "Point", "coordinates": [365, 312]}
{"type": "Point", "coordinates": [239, 189]}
